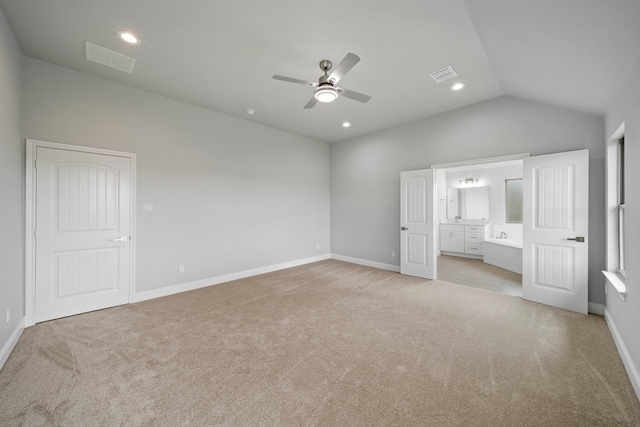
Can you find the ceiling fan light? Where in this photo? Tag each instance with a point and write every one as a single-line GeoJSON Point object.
{"type": "Point", "coordinates": [326, 93]}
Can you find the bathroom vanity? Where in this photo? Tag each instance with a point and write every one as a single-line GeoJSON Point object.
{"type": "Point", "coordinates": [463, 239]}
{"type": "Point", "coordinates": [466, 227]}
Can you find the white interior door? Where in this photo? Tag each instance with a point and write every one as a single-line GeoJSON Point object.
{"type": "Point", "coordinates": [83, 229]}
{"type": "Point", "coordinates": [555, 218]}
{"type": "Point", "coordinates": [417, 224]}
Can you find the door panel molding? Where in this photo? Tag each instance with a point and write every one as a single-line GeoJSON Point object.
{"type": "Point", "coordinates": [549, 272]}
{"type": "Point", "coordinates": [30, 214]}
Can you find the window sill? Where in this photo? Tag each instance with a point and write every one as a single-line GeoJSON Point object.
{"type": "Point", "coordinates": [617, 282]}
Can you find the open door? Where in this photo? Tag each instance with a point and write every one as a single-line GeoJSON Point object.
{"type": "Point", "coordinates": [418, 224]}
{"type": "Point", "coordinates": [555, 230]}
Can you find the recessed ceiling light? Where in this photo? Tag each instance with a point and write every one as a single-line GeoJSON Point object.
{"type": "Point", "coordinates": [250, 111]}
{"type": "Point", "coordinates": [346, 124]}
{"type": "Point", "coordinates": [128, 37]}
{"type": "Point", "coordinates": [457, 86]}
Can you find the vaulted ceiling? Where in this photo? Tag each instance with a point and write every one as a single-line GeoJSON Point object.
{"type": "Point", "coordinates": [222, 54]}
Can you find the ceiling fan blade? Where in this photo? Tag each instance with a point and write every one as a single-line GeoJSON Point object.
{"type": "Point", "coordinates": [313, 101]}
{"type": "Point", "coordinates": [343, 67]}
{"type": "Point", "coordinates": [292, 80]}
{"type": "Point", "coordinates": [357, 96]}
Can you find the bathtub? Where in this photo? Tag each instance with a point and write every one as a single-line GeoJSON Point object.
{"type": "Point", "coordinates": [504, 253]}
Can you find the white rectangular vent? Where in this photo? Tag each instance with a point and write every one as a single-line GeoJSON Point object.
{"type": "Point", "coordinates": [108, 57]}
{"type": "Point", "coordinates": [443, 74]}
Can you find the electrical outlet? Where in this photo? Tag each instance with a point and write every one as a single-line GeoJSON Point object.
{"type": "Point", "coordinates": [393, 254]}
{"type": "Point", "coordinates": [181, 269]}
{"type": "Point", "coordinates": [8, 315]}
{"type": "Point", "coordinates": [317, 245]}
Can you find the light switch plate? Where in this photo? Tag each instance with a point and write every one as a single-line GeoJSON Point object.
{"type": "Point", "coordinates": [147, 207]}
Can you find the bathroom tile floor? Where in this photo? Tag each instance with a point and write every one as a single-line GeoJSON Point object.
{"type": "Point", "coordinates": [477, 274]}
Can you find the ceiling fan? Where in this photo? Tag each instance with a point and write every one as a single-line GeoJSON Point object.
{"type": "Point", "coordinates": [326, 89]}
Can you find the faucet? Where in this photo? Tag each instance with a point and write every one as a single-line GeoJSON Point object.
{"type": "Point", "coordinates": [503, 235]}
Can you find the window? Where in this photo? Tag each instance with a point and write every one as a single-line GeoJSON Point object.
{"type": "Point", "coordinates": [513, 200]}
{"type": "Point", "coordinates": [615, 187]}
{"type": "Point", "coordinates": [621, 206]}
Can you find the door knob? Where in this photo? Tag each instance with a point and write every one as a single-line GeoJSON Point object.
{"type": "Point", "coordinates": [404, 228]}
{"type": "Point", "coordinates": [577, 239]}
{"type": "Point", "coordinates": [121, 239]}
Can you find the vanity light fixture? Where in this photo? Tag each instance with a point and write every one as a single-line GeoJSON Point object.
{"type": "Point", "coordinates": [128, 37]}
{"type": "Point", "coordinates": [468, 182]}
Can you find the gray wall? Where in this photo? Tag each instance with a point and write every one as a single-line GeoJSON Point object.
{"type": "Point", "coordinates": [11, 184]}
{"type": "Point", "coordinates": [229, 195]}
{"type": "Point", "coordinates": [626, 314]}
{"type": "Point", "coordinates": [365, 171]}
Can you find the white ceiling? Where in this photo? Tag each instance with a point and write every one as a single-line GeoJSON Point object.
{"type": "Point", "coordinates": [221, 54]}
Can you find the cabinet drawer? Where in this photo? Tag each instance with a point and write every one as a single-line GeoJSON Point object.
{"type": "Point", "coordinates": [473, 237]}
{"type": "Point", "coordinates": [473, 248]}
{"type": "Point", "coordinates": [474, 228]}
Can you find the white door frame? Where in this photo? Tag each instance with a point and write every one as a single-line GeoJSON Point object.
{"type": "Point", "coordinates": [473, 162]}
{"type": "Point", "coordinates": [30, 216]}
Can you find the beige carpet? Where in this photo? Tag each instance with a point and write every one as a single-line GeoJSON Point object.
{"type": "Point", "coordinates": [326, 344]}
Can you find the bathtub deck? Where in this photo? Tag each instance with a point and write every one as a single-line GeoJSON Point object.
{"type": "Point", "coordinates": [504, 255]}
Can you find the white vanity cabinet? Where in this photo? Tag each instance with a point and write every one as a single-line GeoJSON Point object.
{"type": "Point", "coordinates": [462, 239]}
{"type": "Point", "coordinates": [474, 236]}
{"type": "Point", "coordinates": [452, 238]}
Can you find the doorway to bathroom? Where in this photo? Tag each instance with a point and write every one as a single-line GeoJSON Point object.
{"type": "Point", "coordinates": [555, 226]}
{"type": "Point", "coordinates": [480, 224]}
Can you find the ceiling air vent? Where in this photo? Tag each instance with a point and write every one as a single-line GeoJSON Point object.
{"type": "Point", "coordinates": [443, 74]}
{"type": "Point", "coordinates": [109, 58]}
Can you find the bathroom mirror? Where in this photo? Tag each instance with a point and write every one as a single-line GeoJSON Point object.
{"type": "Point", "coordinates": [468, 203]}
{"type": "Point", "coordinates": [513, 201]}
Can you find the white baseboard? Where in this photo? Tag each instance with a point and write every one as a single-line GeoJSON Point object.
{"type": "Point", "coordinates": [595, 308]}
{"type": "Point", "coordinates": [463, 255]}
{"type": "Point", "coordinates": [627, 361]}
{"type": "Point", "coordinates": [368, 263]}
{"type": "Point", "coordinates": [203, 283]}
{"type": "Point", "coordinates": [11, 344]}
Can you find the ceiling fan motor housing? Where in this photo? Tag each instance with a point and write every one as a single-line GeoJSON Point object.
{"type": "Point", "coordinates": [324, 80]}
